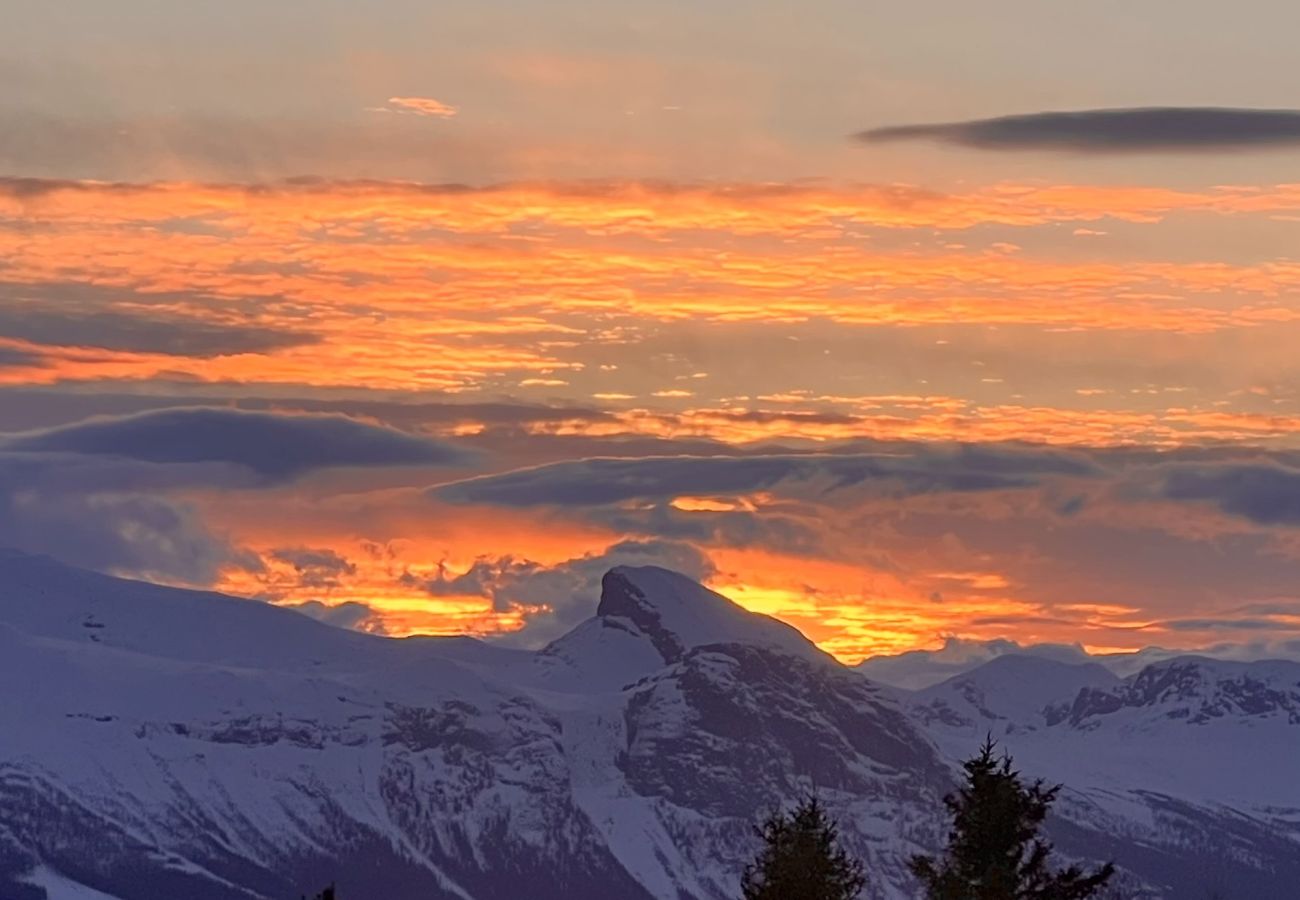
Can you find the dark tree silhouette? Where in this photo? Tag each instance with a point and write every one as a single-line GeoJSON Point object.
{"type": "Point", "coordinates": [994, 849]}
{"type": "Point", "coordinates": [327, 894]}
{"type": "Point", "coordinates": [802, 859]}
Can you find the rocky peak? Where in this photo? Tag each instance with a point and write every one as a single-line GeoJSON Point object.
{"type": "Point", "coordinates": [676, 614]}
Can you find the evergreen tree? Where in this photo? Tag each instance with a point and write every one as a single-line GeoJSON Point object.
{"type": "Point", "coordinates": [994, 849]}
{"type": "Point", "coordinates": [327, 894]}
{"type": "Point", "coordinates": [802, 859]}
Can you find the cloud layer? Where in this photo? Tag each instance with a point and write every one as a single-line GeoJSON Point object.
{"type": "Point", "coordinates": [142, 331]}
{"type": "Point", "coordinates": [1262, 493]}
{"type": "Point", "coordinates": [116, 494]}
{"type": "Point", "coordinates": [273, 447]}
{"type": "Point", "coordinates": [1112, 130]}
{"type": "Point", "coordinates": [598, 482]}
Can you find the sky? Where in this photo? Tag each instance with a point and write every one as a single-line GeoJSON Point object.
{"type": "Point", "coordinates": [906, 323]}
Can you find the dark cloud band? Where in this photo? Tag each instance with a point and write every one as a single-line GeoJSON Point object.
{"type": "Point", "coordinates": [274, 447]}
{"type": "Point", "coordinates": [1262, 493]}
{"type": "Point", "coordinates": [71, 314]}
{"type": "Point", "coordinates": [599, 482]}
{"type": "Point", "coordinates": [19, 358]}
{"type": "Point", "coordinates": [1111, 130]}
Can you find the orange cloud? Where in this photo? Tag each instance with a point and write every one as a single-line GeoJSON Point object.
{"type": "Point", "coordinates": [422, 106]}
{"type": "Point", "coordinates": [408, 287]}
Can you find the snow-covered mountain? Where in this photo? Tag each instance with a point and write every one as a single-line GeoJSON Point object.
{"type": "Point", "coordinates": [918, 669]}
{"type": "Point", "coordinates": [159, 743]}
{"type": "Point", "coordinates": [164, 743]}
{"type": "Point", "coordinates": [1006, 696]}
{"type": "Point", "coordinates": [1194, 759]}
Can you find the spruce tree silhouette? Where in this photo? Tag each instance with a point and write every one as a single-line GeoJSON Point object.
{"type": "Point", "coordinates": [802, 859]}
{"type": "Point", "coordinates": [994, 849]}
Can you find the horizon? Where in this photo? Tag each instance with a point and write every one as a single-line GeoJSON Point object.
{"type": "Point", "coordinates": [894, 326]}
{"type": "Point", "coordinates": [955, 656]}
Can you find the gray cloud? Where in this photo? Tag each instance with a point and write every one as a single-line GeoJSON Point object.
{"type": "Point", "coordinates": [110, 516]}
{"type": "Point", "coordinates": [1111, 130]}
{"type": "Point", "coordinates": [120, 331]}
{"type": "Point", "coordinates": [30, 409]}
{"type": "Point", "coordinates": [605, 481]}
{"type": "Point", "coordinates": [1264, 494]}
{"type": "Point", "coordinates": [556, 598]}
{"type": "Point", "coordinates": [351, 615]}
{"type": "Point", "coordinates": [22, 188]}
{"type": "Point", "coordinates": [273, 447]}
{"type": "Point", "coordinates": [316, 568]}
{"type": "Point", "coordinates": [19, 358]}
{"type": "Point", "coordinates": [98, 493]}
{"type": "Point", "coordinates": [1230, 624]}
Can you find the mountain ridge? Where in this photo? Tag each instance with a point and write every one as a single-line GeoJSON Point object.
{"type": "Point", "coordinates": [147, 749]}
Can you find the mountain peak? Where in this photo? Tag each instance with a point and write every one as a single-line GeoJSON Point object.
{"type": "Point", "coordinates": [677, 614]}
{"type": "Point", "coordinates": [1198, 690]}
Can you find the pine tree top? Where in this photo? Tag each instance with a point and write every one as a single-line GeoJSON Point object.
{"type": "Point", "coordinates": [802, 859]}
{"type": "Point", "coordinates": [994, 849]}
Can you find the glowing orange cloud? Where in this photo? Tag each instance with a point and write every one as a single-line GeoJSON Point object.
{"type": "Point", "coordinates": [628, 207]}
{"type": "Point", "coordinates": [416, 287]}
{"type": "Point", "coordinates": [422, 106]}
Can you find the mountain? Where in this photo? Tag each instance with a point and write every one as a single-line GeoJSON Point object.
{"type": "Point", "coordinates": [1189, 752]}
{"type": "Point", "coordinates": [918, 669]}
{"type": "Point", "coordinates": [1006, 696]}
{"type": "Point", "coordinates": [161, 743]}
{"type": "Point", "coordinates": [164, 743]}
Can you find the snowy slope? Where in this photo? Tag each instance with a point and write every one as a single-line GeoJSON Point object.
{"type": "Point", "coordinates": [164, 743]}
{"type": "Point", "coordinates": [1006, 696]}
{"type": "Point", "coordinates": [1193, 753]}
{"type": "Point", "coordinates": [56, 887]}
{"type": "Point", "coordinates": [915, 670]}
{"type": "Point", "coordinates": [158, 743]}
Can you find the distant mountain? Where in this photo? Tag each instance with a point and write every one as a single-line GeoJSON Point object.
{"type": "Point", "coordinates": [917, 669]}
{"type": "Point", "coordinates": [1007, 695]}
{"type": "Point", "coordinates": [1190, 752]}
{"type": "Point", "coordinates": [159, 743]}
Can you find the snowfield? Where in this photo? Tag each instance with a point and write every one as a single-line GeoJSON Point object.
{"type": "Point", "coordinates": [160, 743]}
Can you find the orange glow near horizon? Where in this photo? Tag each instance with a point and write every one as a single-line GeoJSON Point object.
{"type": "Point", "coordinates": [853, 613]}
{"type": "Point", "coordinates": [661, 317]}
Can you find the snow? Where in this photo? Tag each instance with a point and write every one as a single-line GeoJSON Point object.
{"type": "Point", "coordinates": [197, 725]}
{"type": "Point", "coordinates": [1209, 731]}
{"type": "Point", "coordinates": [915, 670]}
{"type": "Point", "coordinates": [1016, 689]}
{"type": "Point", "coordinates": [696, 616]}
{"type": "Point", "coordinates": [919, 669]}
{"type": "Point", "coordinates": [59, 888]}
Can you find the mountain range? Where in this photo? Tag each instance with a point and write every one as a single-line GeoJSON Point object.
{"type": "Point", "coordinates": [159, 743]}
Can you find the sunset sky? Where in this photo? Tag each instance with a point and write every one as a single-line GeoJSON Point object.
{"type": "Point", "coordinates": [421, 316]}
